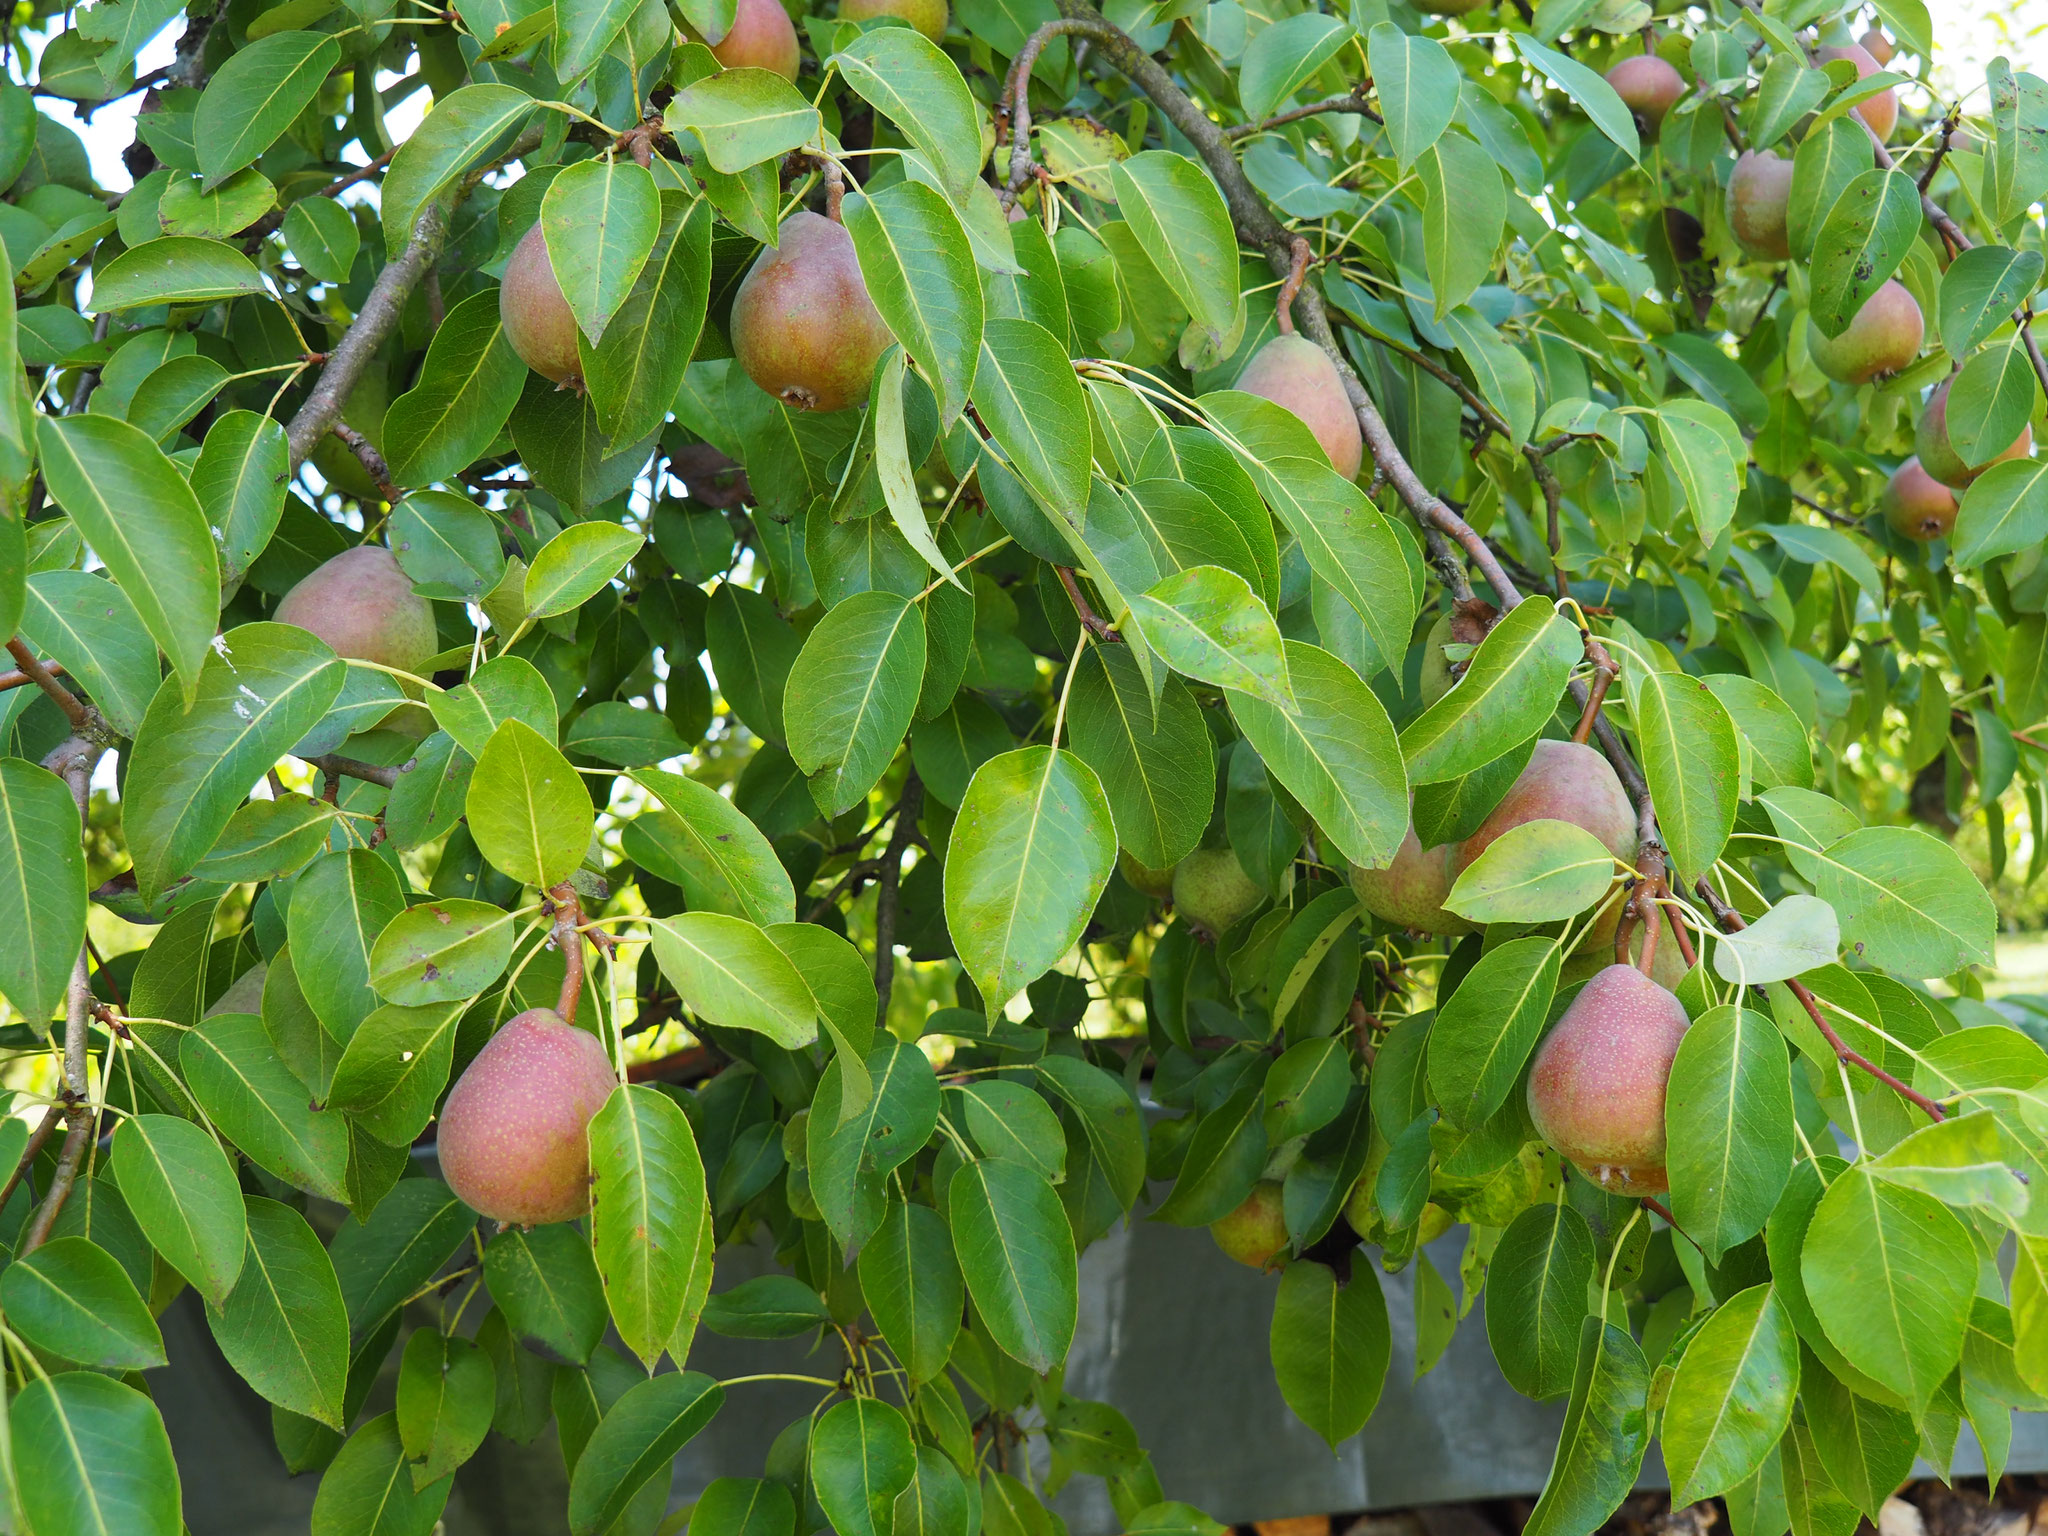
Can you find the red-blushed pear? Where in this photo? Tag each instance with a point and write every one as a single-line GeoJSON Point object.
{"type": "Point", "coordinates": [1939, 457]}
{"type": "Point", "coordinates": [364, 606]}
{"type": "Point", "coordinates": [1565, 781]}
{"type": "Point", "coordinates": [928, 16]}
{"type": "Point", "coordinates": [538, 321]}
{"type": "Point", "coordinates": [1410, 891]}
{"type": "Point", "coordinates": [1916, 505]}
{"type": "Point", "coordinates": [1878, 46]}
{"type": "Point", "coordinates": [1649, 87]}
{"type": "Point", "coordinates": [1596, 1091]}
{"type": "Point", "coordinates": [1212, 891]}
{"type": "Point", "coordinates": [762, 37]}
{"type": "Point", "coordinates": [1881, 111]}
{"type": "Point", "coordinates": [1294, 372]}
{"type": "Point", "coordinates": [513, 1134]}
{"type": "Point", "coordinates": [1759, 192]}
{"type": "Point", "coordinates": [1884, 337]}
{"type": "Point", "coordinates": [1257, 1230]}
{"type": "Point", "coordinates": [803, 325]}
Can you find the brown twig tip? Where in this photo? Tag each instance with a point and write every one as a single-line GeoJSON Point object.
{"type": "Point", "coordinates": [1291, 285]}
{"type": "Point", "coordinates": [1605, 670]}
{"type": "Point", "coordinates": [83, 717]}
{"type": "Point", "coordinates": [835, 190]}
{"type": "Point", "coordinates": [367, 455]}
{"type": "Point", "coordinates": [1091, 621]}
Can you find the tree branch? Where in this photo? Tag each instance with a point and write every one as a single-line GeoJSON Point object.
{"type": "Point", "coordinates": [1091, 621]}
{"type": "Point", "coordinates": [1352, 101]}
{"type": "Point", "coordinates": [335, 766]}
{"type": "Point", "coordinates": [368, 456]}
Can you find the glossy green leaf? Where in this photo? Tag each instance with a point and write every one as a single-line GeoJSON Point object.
{"type": "Point", "coordinates": [1484, 1034]}
{"type": "Point", "coordinates": [252, 1097]}
{"type": "Point", "coordinates": [730, 973]}
{"type": "Point", "coordinates": [181, 1190]}
{"type": "Point", "coordinates": [90, 1457]}
{"type": "Point", "coordinates": [743, 117]}
{"type": "Point", "coordinates": [283, 1326]}
{"type": "Point", "coordinates": [637, 1438]}
{"type": "Point", "coordinates": [1728, 1127]}
{"type": "Point", "coordinates": [1417, 83]}
{"type": "Point", "coordinates": [1732, 1398]}
{"type": "Point", "coordinates": [527, 808]}
{"type": "Point", "coordinates": [1330, 1346]}
{"type": "Point", "coordinates": [466, 391]}
{"type": "Point", "coordinates": [254, 97]}
{"type": "Point", "coordinates": [651, 1221]}
{"type": "Point", "coordinates": [1017, 1253]}
{"type": "Point", "coordinates": [340, 904]}
{"type": "Point", "coordinates": [1533, 873]}
{"type": "Point", "coordinates": [72, 1298]}
{"type": "Point", "coordinates": [851, 695]}
{"type": "Point", "coordinates": [1536, 1300]}
{"type": "Point", "coordinates": [1510, 687]}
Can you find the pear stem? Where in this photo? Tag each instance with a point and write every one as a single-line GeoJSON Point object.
{"type": "Point", "coordinates": [1291, 285]}
{"type": "Point", "coordinates": [568, 916]}
{"type": "Point", "coordinates": [835, 190]}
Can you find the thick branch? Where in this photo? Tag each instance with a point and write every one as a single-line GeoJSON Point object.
{"type": "Point", "coordinates": [908, 807]}
{"type": "Point", "coordinates": [1017, 91]}
{"type": "Point", "coordinates": [1732, 922]}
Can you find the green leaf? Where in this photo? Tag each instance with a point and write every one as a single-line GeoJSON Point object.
{"type": "Point", "coordinates": [324, 237]}
{"type": "Point", "coordinates": [1483, 1036]}
{"type": "Point", "coordinates": [467, 387]}
{"type": "Point", "coordinates": [1590, 91]}
{"type": "Point", "coordinates": [1464, 209]}
{"type": "Point", "coordinates": [1031, 402]}
{"type": "Point", "coordinates": [1697, 436]}
{"type": "Point", "coordinates": [144, 523]}
{"type": "Point", "coordinates": [908, 79]}
{"type": "Point", "coordinates": [255, 95]}
{"type": "Point", "coordinates": [42, 887]}
{"type": "Point", "coordinates": [253, 1098]}
{"type": "Point", "coordinates": [1979, 292]}
{"type": "Point", "coordinates": [177, 269]}
{"type": "Point", "coordinates": [527, 808]}
{"type": "Point", "coordinates": [576, 564]}
{"type": "Point", "coordinates": [600, 219]}
{"type": "Point", "coordinates": [1286, 55]}
{"type": "Point", "coordinates": [1536, 1300]}
{"type": "Point", "coordinates": [637, 1438]}
{"type": "Point", "coordinates": [90, 1456]}
{"type": "Point", "coordinates": [440, 952]}
{"type": "Point", "coordinates": [1906, 901]}
{"type": "Point", "coordinates": [1866, 1448]}
{"type": "Point", "coordinates": [1691, 759]}
{"type": "Point", "coordinates": [465, 129]}
{"type": "Point", "coordinates": [1154, 758]}
{"type": "Point", "coordinates": [338, 907]}
{"type": "Point", "coordinates": [851, 1154]}
{"type": "Point", "coordinates": [1017, 1253]}
{"type": "Point", "coordinates": [1860, 245]}
{"type": "Point", "coordinates": [1732, 1398]}
{"type": "Point", "coordinates": [545, 1282]}
{"type": "Point", "coordinates": [73, 1299]}
{"type": "Point", "coordinates": [447, 1392]}
{"type": "Point", "coordinates": [1223, 1160]}
{"type": "Point", "coordinates": [393, 1069]}
{"type": "Point", "coordinates": [1330, 1347]}
{"type": "Point", "coordinates": [1207, 623]}
{"type": "Point", "coordinates": [1176, 209]}
{"type": "Point", "coordinates": [1961, 1161]}
{"type": "Point", "coordinates": [1889, 1272]}
{"type": "Point", "coordinates": [746, 1506]}
{"type": "Point", "coordinates": [851, 695]}
{"type": "Point", "coordinates": [773, 1306]}
{"type": "Point", "coordinates": [634, 373]}
{"type": "Point", "coordinates": [1728, 1127]}
{"type": "Point", "coordinates": [651, 1221]}
{"type": "Point", "coordinates": [922, 277]}
{"type": "Point", "coordinates": [1031, 851]}
{"type": "Point", "coordinates": [181, 1190]}
{"type": "Point", "coordinates": [2004, 511]}
{"type": "Point", "coordinates": [1417, 81]}
{"type": "Point", "coordinates": [282, 1326]}
{"type": "Point", "coordinates": [861, 1457]}
{"type": "Point", "coordinates": [1606, 1431]}
{"type": "Point", "coordinates": [1788, 91]}
{"type": "Point", "coordinates": [1797, 935]}
{"type": "Point", "coordinates": [913, 1287]}
{"type": "Point", "coordinates": [1533, 873]}
{"type": "Point", "coordinates": [1010, 1120]}
{"type": "Point", "coordinates": [733, 976]}
{"type": "Point", "coordinates": [1509, 689]}
{"type": "Point", "coordinates": [704, 844]}
{"type": "Point", "coordinates": [744, 116]}
{"type": "Point", "coordinates": [2016, 171]}
{"type": "Point", "coordinates": [368, 1487]}
{"type": "Point", "coordinates": [240, 482]}
{"type": "Point", "coordinates": [448, 545]}
{"type": "Point", "coordinates": [380, 1262]}
{"type": "Point", "coordinates": [503, 688]}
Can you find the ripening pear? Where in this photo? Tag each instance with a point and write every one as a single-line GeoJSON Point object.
{"type": "Point", "coordinates": [762, 37]}
{"type": "Point", "coordinates": [1939, 458]}
{"type": "Point", "coordinates": [1257, 1230]}
{"type": "Point", "coordinates": [514, 1132]}
{"type": "Point", "coordinates": [1883, 338]}
{"type": "Point", "coordinates": [1596, 1091]}
{"type": "Point", "coordinates": [364, 606]}
{"type": "Point", "coordinates": [1212, 891]}
{"type": "Point", "coordinates": [537, 319]}
{"type": "Point", "coordinates": [1156, 883]}
{"type": "Point", "coordinates": [928, 16]}
{"type": "Point", "coordinates": [1759, 192]}
{"type": "Point", "coordinates": [803, 325]}
{"type": "Point", "coordinates": [1878, 46]}
{"type": "Point", "coordinates": [1881, 111]}
{"type": "Point", "coordinates": [1294, 372]}
{"type": "Point", "coordinates": [1916, 505]}
{"type": "Point", "coordinates": [1410, 891]}
{"type": "Point", "coordinates": [1564, 781]}
{"type": "Point", "coordinates": [1649, 86]}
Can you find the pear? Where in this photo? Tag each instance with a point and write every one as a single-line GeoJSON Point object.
{"type": "Point", "coordinates": [1212, 891]}
{"type": "Point", "coordinates": [364, 606]}
{"type": "Point", "coordinates": [1410, 891]}
{"type": "Point", "coordinates": [537, 319]}
{"type": "Point", "coordinates": [803, 325]}
{"type": "Point", "coordinates": [928, 16]}
{"type": "Point", "coordinates": [1883, 338]}
{"type": "Point", "coordinates": [762, 37]}
{"type": "Point", "coordinates": [1649, 86]}
{"type": "Point", "coordinates": [1881, 111]}
{"type": "Point", "coordinates": [514, 1133]}
{"type": "Point", "coordinates": [1916, 505]}
{"type": "Point", "coordinates": [1596, 1091]}
{"type": "Point", "coordinates": [1294, 372]}
{"type": "Point", "coordinates": [1759, 192]}
{"type": "Point", "coordinates": [1938, 456]}
{"type": "Point", "coordinates": [1257, 1229]}
{"type": "Point", "coordinates": [1564, 781]}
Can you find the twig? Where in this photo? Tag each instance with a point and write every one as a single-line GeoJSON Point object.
{"type": "Point", "coordinates": [1605, 670]}
{"type": "Point", "coordinates": [368, 456]}
{"type": "Point", "coordinates": [1731, 921]}
{"type": "Point", "coordinates": [1352, 101]}
{"type": "Point", "coordinates": [1017, 91]}
{"type": "Point", "coordinates": [1091, 621]}
{"type": "Point", "coordinates": [85, 720]}
{"type": "Point", "coordinates": [336, 766]}
{"type": "Point", "coordinates": [566, 907]}
{"type": "Point", "coordinates": [908, 806]}
{"type": "Point", "coordinates": [835, 190]}
{"type": "Point", "coordinates": [36, 1138]}
{"type": "Point", "coordinates": [1291, 285]}
{"type": "Point", "coordinates": [17, 679]}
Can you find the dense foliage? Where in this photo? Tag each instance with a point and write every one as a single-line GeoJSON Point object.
{"type": "Point", "coordinates": [1140, 664]}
